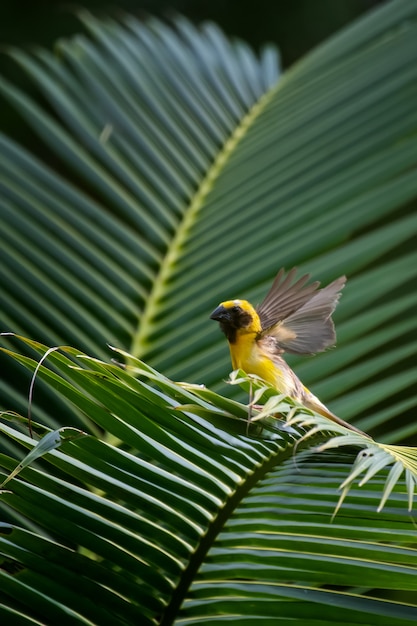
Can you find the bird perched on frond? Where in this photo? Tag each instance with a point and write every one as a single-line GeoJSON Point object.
{"type": "Point", "coordinates": [294, 317]}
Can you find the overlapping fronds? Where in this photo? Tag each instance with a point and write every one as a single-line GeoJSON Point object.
{"type": "Point", "coordinates": [181, 172]}
{"type": "Point", "coordinates": [187, 508]}
{"type": "Point", "coordinates": [175, 170]}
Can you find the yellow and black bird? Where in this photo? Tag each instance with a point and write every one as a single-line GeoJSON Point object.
{"type": "Point", "coordinates": [294, 317]}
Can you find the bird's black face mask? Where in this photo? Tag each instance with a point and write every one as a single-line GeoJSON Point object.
{"type": "Point", "coordinates": [231, 319]}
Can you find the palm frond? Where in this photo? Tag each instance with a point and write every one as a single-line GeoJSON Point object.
{"type": "Point", "coordinates": [187, 508]}
{"type": "Point", "coordinates": [375, 458]}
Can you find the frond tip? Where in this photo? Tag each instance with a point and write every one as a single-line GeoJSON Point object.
{"type": "Point", "coordinates": [374, 458]}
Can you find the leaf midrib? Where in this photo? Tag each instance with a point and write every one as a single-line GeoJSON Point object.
{"type": "Point", "coordinates": [172, 256]}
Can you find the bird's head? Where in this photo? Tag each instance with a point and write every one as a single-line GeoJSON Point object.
{"type": "Point", "coordinates": [236, 317]}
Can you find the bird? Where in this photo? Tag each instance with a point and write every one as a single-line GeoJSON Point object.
{"type": "Point", "coordinates": [294, 317]}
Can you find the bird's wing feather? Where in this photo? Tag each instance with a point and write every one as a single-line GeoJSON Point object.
{"type": "Point", "coordinates": [308, 329]}
{"type": "Point", "coordinates": [284, 299]}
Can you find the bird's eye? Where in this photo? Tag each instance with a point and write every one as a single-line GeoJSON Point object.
{"type": "Point", "coordinates": [235, 309]}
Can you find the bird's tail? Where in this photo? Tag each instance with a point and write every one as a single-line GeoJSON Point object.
{"type": "Point", "coordinates": [314, 403]}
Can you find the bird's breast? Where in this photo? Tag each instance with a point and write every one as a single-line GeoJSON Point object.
{"type": "Point", "coordinates": [247, 355]}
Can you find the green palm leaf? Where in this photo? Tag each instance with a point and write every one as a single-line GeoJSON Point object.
{"type": "Point", "coordinates": [188, 520]}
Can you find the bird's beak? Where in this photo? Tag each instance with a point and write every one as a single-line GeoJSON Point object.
{"type": "Point", "coordinates": [219, 314]}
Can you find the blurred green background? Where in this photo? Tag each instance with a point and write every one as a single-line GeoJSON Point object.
{"type": "Point", "coordinates": [295, 26]}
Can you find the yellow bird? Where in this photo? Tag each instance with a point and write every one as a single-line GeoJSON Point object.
{"type": "Point", "coordinates": [294, 317]}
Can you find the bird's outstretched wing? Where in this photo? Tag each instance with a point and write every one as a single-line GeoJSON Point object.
{"type": "Point", "coordinates": [297, 318]}
{"type": "Point", "coordinates": [283, 298]}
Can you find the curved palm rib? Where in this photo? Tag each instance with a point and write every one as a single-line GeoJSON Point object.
{"type": "Point", "coordinates": [180, 238]}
